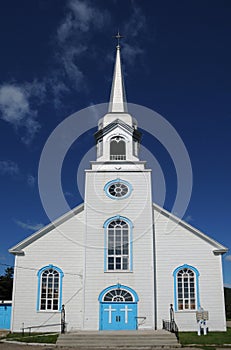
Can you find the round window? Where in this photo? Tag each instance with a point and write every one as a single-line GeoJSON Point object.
{"type": "Point", "coordinates": [117, 189]}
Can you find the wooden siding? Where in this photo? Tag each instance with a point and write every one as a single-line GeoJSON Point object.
{"type": "Point", "coordinates": [77, 248]}
{"type": "Point", "coordinates": [61, 247]}
{"type": "Point", "coordinates": [138, 209]}
{"type": "Point", "coordinates": [175, 248]}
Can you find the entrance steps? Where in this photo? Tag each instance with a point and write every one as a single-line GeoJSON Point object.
{"type": "Point", "coordinates": [124, 340]}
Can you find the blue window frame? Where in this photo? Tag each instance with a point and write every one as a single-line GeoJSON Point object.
{"type": "Point", "coordinates": [118, 189]}
{"type": "Point", "coordinates": [49, 289]}
{"type": "Point", "coordinates": [118, 244]}
{"type": "Point", "coordinates": [186, 288]}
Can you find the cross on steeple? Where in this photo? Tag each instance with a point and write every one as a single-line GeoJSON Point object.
{"type": "Point", "coordinates": [118, 37]}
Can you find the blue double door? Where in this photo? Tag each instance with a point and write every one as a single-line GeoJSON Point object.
{"type": "Point", "coordinates": [118, 316]}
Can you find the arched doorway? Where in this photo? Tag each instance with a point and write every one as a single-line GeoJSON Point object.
{"type": "Point", "coordinates": [118, 308]}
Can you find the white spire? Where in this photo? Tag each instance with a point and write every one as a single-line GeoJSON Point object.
{"type": "Point", "coordinates": [118, 98]}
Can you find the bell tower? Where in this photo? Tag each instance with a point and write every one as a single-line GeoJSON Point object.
{"type": "Point", "coordinates": [118, 221]}
{"type": "Point", "coordinates": [117, 138]}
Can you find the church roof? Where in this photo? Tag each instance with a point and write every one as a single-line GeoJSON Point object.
{"type": "Point", "coordinates": [18, 249]}
{"type": "Point", "coordinates": [218, 248]}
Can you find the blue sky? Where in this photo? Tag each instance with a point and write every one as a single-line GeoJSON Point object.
{"type": "Point", "coordinates": [57, 58]}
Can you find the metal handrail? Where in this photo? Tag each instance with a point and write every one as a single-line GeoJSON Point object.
{"type": "Point", "coordinates": [40, 326]}
{"type": "Point", "coordinates": [171, 326]}
{"type": "Point", "coordinates": [63, 323]}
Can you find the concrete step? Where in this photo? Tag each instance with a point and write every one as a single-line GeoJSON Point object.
{"type": "Point", "coordinates": [119, 340]}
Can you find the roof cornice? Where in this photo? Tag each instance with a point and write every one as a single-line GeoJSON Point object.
{"type": "Point", "coordinates": [108, 128]}
{"type": "Point", "coordinates": [218, 248]}
{"type": "Point", "coordinates": [18, 249]}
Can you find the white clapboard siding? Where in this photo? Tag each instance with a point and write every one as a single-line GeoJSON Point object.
{"type": "Point", "coordinates": [138, 209]}
{"type": "Point", "coordinates": [61, 247]}
{"type": "Point", "coordinates": [181, 246]}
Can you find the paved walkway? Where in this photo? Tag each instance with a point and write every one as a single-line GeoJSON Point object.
{"type": "Point", "coordinates": [6, 346]}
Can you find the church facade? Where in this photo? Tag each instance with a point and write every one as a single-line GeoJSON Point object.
{"type": "Point", "coordinates": [109, 260]}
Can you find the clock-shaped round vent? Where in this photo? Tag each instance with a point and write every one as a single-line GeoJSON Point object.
{"type": "Point", "coordinates": [117, 189]}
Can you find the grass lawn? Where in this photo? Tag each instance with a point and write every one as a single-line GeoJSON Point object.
{"type": "Point", "coordinates": [34, 337]}
{"type": "Point", "coordinates": [217, 338]}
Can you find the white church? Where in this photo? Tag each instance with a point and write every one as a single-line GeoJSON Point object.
{"type": "Point", "coordinates": [124, 271]}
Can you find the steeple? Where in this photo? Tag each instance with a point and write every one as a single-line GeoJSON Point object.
{"type": "Point", "coordinates": [118, 98]}
{"type": "Point", "coordinates": [117, 138]}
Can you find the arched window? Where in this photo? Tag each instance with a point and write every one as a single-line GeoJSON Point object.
{"type": "Point", "coordinates": [118, 296]}
{"type": "Point", "coordinates": [186, 288]}
{"type": "Point", "coordinates": [117, 148]}
{"type": "Point", "coordinates": [49, 288]}
{"type": "Point", "coordinates": [118, 245]}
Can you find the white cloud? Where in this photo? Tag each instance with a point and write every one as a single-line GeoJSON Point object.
{"type": "Point", "coordinates": [58, 88]}
{"type": "Point", "coordinates": [69, 60]}
{"type": "Point", "coordinates": [14, 105]}
{"type": "Point", "coordinates": [227, 285]}
{"type": "Point", "coordinates": [29, 226]}
{"type": "Point", "coordinates": [228, 257]}
{"type": "Point", "coordinates": [134, 27]}
{"type": "Point", "coordinates": [7, 167]}
{"type": "Point", "coordinates": [32, 128]}
{"type": "Point", "coordinates": [31, 180]}
{"type": "Point", "coordinates": [130, 52]}
{"type": "Point", "coordinates": [81, 17]}
{"type": "Point", "coordinates": [36, 89]}
{"type": "Point", "coordinates": [68, 194]}
{"type": "Point", "coordinates": [188, 218]}
{"type": "Point", "coordinates": [136, 22]}
{"type": "Point", "coordinates": [15, 108]}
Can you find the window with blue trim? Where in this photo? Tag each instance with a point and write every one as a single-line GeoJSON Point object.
{"type": "Point", "coordinates": [50, 288]}
{"type": "Point", "coordinates": [186, 288]}
{"type": "Point", "coordinates": [118, 189]}
{"type": "Point", "coordinates": [118, 249]}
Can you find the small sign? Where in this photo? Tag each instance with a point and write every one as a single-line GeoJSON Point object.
{"type": "Point", "coordinates": [202, 315]}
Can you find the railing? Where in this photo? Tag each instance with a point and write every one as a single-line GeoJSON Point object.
{"type": "Point", "coordinates": [29, 328]}
{"type": "Point", "coordinates": [171, 326]}
{"type": "Point", "coordinates": [117, 157]}
{"type": "Point", "coordinates": [140, 320]}
{"type": "Point", "coordinates": [62, 324]}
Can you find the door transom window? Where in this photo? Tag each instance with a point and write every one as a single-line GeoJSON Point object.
{"type": "Point", "coordinates": [118, 296]}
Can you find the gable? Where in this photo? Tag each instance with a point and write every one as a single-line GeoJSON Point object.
{"type": "Point", "coordinates": [113, 125]}
{"type": "Point", "coordinates": [217, 248]}
{"type": "Point", "coordinates": [18, 249]}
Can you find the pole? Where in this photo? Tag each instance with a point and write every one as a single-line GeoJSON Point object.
{"type": "Point", "coordinates": [63, 322]}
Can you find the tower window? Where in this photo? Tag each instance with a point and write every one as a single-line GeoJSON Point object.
{"type": "Point", "coordinates": [100, 148]}
{"type": "Point", "coordinates": [118, 244]}
{"type": "Point", "coordinates": [117, 148]}
{"type": "Point", "coordinates": [118, 189]}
